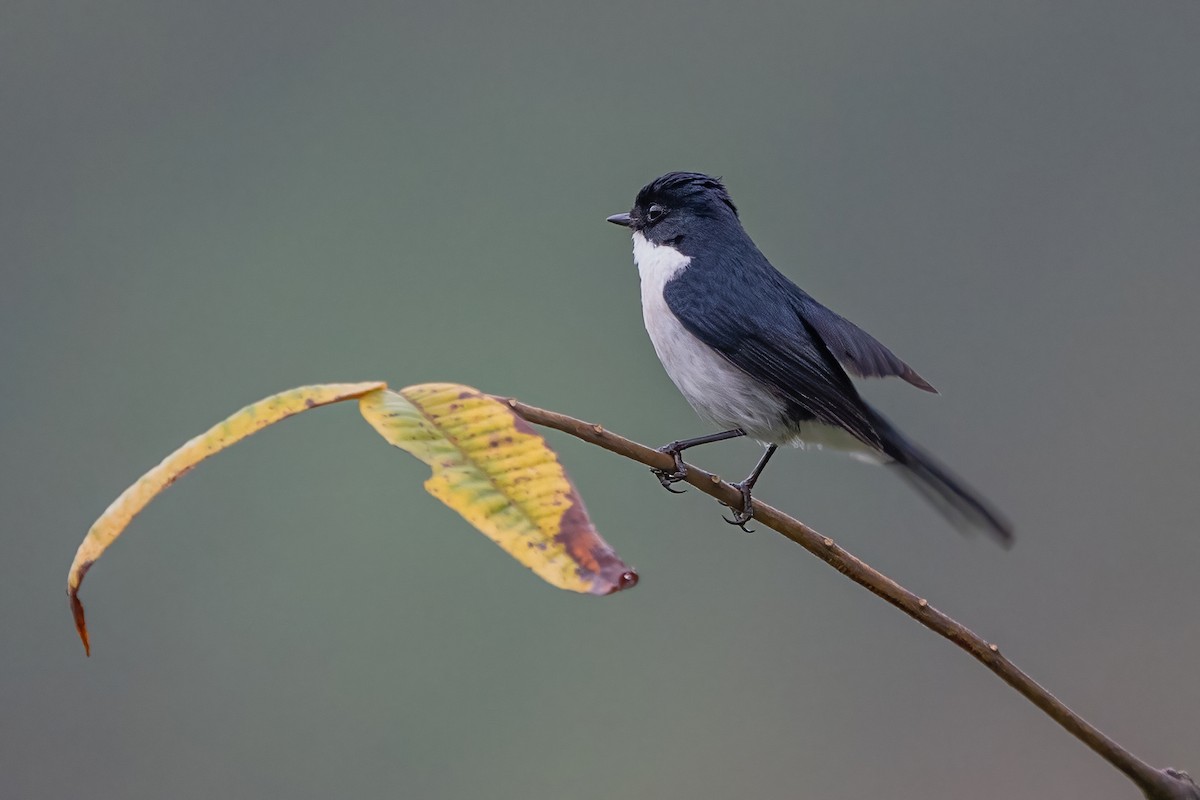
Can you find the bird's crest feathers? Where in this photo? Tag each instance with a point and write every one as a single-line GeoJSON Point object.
{"type": "Point", "coordinates": [678, 189]}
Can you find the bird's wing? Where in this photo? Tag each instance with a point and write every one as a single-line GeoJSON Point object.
{"type": "Point", "coordinates": [774, 346]}
{"type": "Point", "coordinates": [858, 351]}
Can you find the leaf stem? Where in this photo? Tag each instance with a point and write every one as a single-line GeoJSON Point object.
{"type": "Point", "coordinates": [1155, 784]}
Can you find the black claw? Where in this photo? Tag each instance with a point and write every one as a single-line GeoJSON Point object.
{"type": "Point", "coordinates": [745, 513]}
{"type": "Point", "coordinates": [742, 524]}
{"type": "Point", "coordinates": [667, 478]}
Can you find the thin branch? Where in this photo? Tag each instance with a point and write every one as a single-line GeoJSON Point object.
{"type": "Point", "coordinates": [1156, 784]}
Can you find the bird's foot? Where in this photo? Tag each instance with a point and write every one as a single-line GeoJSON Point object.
{"type": "Point", "coordinates": [666, 477]}
{"type": "Point", "coordinates": [743, 515]}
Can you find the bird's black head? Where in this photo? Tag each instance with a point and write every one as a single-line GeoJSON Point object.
{"type": "Point", "coordinates": [669, 208]}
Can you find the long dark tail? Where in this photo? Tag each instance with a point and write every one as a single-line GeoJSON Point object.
{"type": "Point", "coordinates": [957, 502]}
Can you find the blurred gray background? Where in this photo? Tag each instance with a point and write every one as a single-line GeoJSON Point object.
{"type": "Point", "coordinates": [204, 203]}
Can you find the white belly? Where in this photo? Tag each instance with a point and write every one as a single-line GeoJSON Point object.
{"type": "Point", "coordinates": [719, 392]}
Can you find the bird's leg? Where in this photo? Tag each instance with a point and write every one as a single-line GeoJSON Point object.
{"type": "Point", "coordinates": [741, 517]}
{"type": "Point", "coordinates": [675, 448]}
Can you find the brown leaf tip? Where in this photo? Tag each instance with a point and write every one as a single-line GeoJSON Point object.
{"type": "Point", "coordinates": [77, 607]}
{"type": "Point", "coordinates": [627, 578]}
{"type": "Point", "coordinates": [80, 621]}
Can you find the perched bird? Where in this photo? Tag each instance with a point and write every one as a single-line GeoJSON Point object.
{"type": "Point", "coordinates": [757, 356]}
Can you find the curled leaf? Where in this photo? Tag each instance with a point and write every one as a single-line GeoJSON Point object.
{"type": "Point", "coordinates": [492, 468]}
{"type": "Point", "coordinates": [250, 419]}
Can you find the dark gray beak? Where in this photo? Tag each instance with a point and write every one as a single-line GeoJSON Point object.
{"type": "Point", "coordinates": [620, 219]}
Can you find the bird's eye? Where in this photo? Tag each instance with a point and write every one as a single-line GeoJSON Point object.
{"type": "Point", "coordinates": [655, 213]}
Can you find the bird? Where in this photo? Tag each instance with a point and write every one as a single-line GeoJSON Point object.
{"type": "Point", "coordinates": [757, 356]}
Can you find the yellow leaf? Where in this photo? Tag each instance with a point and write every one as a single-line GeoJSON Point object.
{"type": "Point", "coordinates": [250, 419]}
{"type": "Point", "coordinates": [490, 467]}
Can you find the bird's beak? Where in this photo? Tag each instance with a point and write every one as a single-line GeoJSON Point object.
{"type": "Point", "coordinates": [620, 219]}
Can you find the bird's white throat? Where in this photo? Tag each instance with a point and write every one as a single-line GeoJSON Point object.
{"type": "Point", "coordinates": [656, 263]}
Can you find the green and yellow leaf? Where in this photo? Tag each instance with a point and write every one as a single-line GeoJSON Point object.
{"type": "Point", "coordinates": [249, 420]}
{"type": "Point", "coordinates": [493, 469]}
{"type": "Point", "coordinates": [488, 465]}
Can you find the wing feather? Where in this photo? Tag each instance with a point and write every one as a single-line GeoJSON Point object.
{"type": "Point", "coordinates": [858, 351]}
